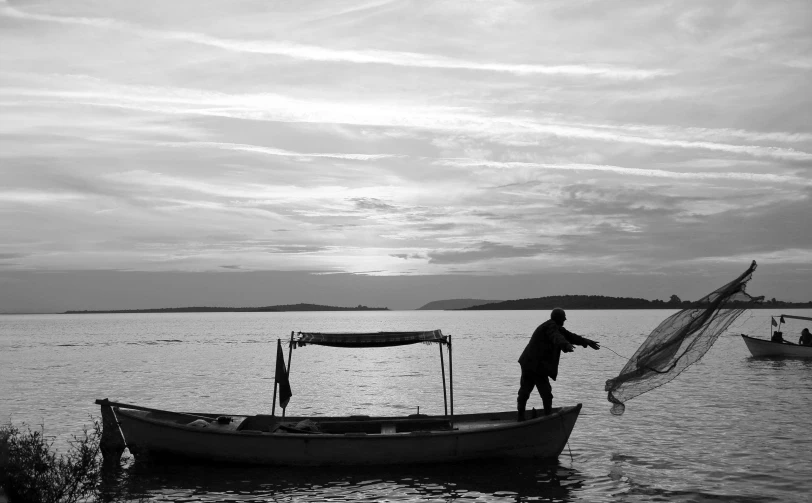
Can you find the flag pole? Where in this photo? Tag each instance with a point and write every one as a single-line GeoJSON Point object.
{"type": "Point", "coordinates": [273, 407]}
{"type": "Point", "coordinates": [287, 371]}
{"type": "Point", "coordinates": [290, 353]}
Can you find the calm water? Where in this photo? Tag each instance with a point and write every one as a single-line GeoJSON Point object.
{"type": "Point", "coordinates": [730, 428]}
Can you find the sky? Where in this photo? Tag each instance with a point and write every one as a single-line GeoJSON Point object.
{"type": "Point", "coordinates": [391, 153]}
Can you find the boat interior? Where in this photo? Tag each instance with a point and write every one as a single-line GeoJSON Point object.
{"type": "Point", "coordinates": [363, 425]}
{"type": "Point", "coordinates": [336, 425]}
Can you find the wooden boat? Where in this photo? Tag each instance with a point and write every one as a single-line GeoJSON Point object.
{"type": "Point", "coordinates": [763, 347]}
{"type": "Point", "coordinates": [333, 440]}
{"type": "Point", "coordinates": [272, 440]}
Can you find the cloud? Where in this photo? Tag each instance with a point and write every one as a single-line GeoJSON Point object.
{"type": "Point", "coordinates": [296, 248]}
{"type": "Point", "coordinates": [483, 252]}
{"type": "Point", "coordinates": [147, 138]}
{"type": "Point", "coordinates": [10, 256]}
{"type": "Point", "coordinates": [323, 54]}
{"type": "Point", "coordinates": [408, 256]}
{"type": "Point", "coordinates": [38, 197]}
{"type": "Point", "coordinates": [279, 108]}
{"type": "Point", "coordinates": [278, 152]}
{"type": "Point", "coordinates": [256, 192]}
{"type": "Point", "coordinates": [371, 203]}
{"type": "Point", "coordinates": [655, 173]}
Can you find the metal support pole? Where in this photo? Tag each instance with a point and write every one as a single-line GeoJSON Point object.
{"type": "Point", "coordinates": [290, 353]}
{"type": "Point", "coordinates": [451, 380]}
{"type": "Point", "coordinates": [442, 367]}
{"type": "Point", "coordinates": [273, 407]}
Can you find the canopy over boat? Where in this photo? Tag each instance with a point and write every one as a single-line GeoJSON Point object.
{"type": "Point", "coordinates": [775, 326]}
{"type": "Point", "coordinates": [360, 340]}
{"type": "Point", "coordinates": [793, 317]}
{"type": "Point", "coordinates": [368, 340]}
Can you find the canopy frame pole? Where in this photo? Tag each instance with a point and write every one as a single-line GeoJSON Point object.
{"type": "Point", "coordinates": [451, 380]}
{"type": "Point", "coordinates": [442, 368]}
{"type": "Point", "coordinates": [273, 406]}
{"type": "Point", "coordinates": [287, 371]}
{"type": "Point", "coordinates": [290, 353]}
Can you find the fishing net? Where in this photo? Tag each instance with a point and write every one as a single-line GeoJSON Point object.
{"type": "Point", "coordinates": [680, 341]}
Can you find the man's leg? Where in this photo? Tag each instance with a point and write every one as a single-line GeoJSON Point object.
{"type": "Point", "coordinates": [525, 388]}
{"type": "Point", "coordinates": [546, 391]}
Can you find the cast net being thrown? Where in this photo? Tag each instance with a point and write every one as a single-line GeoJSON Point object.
{"type": "Point", "coordinates": [680, 341]}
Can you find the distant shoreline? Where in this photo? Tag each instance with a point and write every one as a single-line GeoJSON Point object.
{"type": "Point", "coordinates": [266, 309]}
{"type": "Point", "coordinates": [570, 302]}
{"type": "Point", "coordinates": [602, 302]}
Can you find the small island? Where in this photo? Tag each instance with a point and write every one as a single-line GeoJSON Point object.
{"type": "Point", "coordinates": [454, 304]}
{"type": "Point", "coordinates": [603, 302]}
{"type": "Point", "coordinates": [266, 309]}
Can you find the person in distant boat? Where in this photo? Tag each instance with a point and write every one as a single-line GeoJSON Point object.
{"type": "Point", "coordinates": [777, 337]}
{"type": "Point", "coordinates": [806, 338]}
{"type": "Point", "coordinates": [539, 360]}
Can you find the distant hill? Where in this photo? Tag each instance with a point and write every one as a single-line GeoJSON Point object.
{"type": "Point", "coordinates": [602, 302]}
{"type": "Point", "coordinates": [455, 304]}
{"type": "Point", "coordinates": [577, 302]}
{"type": "Point", "coordinates": [284, 308]}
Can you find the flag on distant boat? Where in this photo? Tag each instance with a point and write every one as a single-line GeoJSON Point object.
{"type": "Point", "coordinates": [282, 377]}
{"type": "Point", "coordinates": [680, 341]}
{"type": "Point", "coordinates": [782, 319]}
{"type": "Point", "coordinates": [774, 323]}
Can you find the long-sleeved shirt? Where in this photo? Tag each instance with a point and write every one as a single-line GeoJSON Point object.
{"type": "Point", "coordinates": [544, 349]}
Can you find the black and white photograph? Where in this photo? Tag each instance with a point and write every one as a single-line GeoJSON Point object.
{"type": "Point", "coordinates": [405, 251]}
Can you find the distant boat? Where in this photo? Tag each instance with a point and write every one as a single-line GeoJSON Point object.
{"type": "Point", "coordinates": [763, 347]}
{"type": "Point", "coordinates": [336, 441]}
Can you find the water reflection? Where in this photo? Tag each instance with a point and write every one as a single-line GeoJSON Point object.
{"type": "Point", "coordinates": [778, 362]}
{"type": "Point", "coordinates": [481, 481]}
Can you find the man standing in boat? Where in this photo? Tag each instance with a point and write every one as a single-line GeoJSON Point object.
{"type": "Point", "coordinates": [539, 360]}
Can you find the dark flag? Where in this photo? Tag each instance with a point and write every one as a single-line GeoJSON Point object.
{"type": "Point", "coordinates": [282, 377]}
{"type": "Point", "coordinates": [774, 323]}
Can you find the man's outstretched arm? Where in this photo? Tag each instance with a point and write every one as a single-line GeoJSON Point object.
{"type": "Point", "coordinates": [578, 339]}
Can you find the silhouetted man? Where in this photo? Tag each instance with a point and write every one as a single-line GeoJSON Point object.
{"type": "Point", "coordinates": [806, 338]}
{"type": "Point", "coordinates": [539, 360]}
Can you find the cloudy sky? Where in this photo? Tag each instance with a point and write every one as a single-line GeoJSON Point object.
{"type": "Point", "coordinates": [390, 153]}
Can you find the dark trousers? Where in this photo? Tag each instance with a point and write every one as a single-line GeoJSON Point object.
{"type": "Point", "coordinates": [532, 380]}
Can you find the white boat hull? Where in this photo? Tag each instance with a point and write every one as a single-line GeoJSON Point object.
{"type": "Point", "coordinates": [761, 347]}
{"type": "Point", "coordinates": [475, 436]}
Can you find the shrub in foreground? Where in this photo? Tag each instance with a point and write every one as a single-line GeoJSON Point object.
{"type": "Point", "coordinates": [32, 471]}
